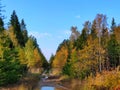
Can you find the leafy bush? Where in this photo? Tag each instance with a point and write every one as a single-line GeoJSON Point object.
{"type": "Point", "coordinates": [107, 80]}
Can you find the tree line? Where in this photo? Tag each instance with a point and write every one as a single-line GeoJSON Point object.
{"type": "Point", "coordinates": [95, 49]}
{"type": "Point", "coordinates": [18, 52]}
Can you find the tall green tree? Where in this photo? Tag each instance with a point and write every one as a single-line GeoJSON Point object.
{"type": "Point", "coordinates": [81, 41]}
{"type": "Point", "coordinates": [94, 30]}
{"type": "Point", "coordinates": [15, 31]}
{"type": "Point", "coordinates": [51, 60]}
{"type": "Point", "coordinates": [10, 68]}
{"type": "Point", "coordinates": [113, 52]}
{"type": "Point", "coordinates": [1, 25]}
{"type": "Point", "coordinates": [113, 25]}
{"type": "Point", "coordinates": [24, 31]}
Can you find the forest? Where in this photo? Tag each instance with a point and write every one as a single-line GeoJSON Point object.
{"type": "Point", "coordinates": [19, 53]}
{"type": "Point", "coordinates": [91, 54]}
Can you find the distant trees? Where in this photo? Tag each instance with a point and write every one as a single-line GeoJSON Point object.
{"type": "Point", "coordinates": [51, 60]}
{"type": "Point", "coordinates": [61, 55]}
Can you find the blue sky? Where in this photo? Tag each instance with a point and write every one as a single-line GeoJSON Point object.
{"type": "Point", "coordinates": [50, 20]}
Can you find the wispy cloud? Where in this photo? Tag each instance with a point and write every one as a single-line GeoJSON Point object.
{"type": "Point", "coordinates": [67, 32]}
{"type": "Point", "coordinates": [40, 35]}
{"type": "Point", "coordinates": [78, 16]}
{"type": "Point", "coordinates": [64, 34]}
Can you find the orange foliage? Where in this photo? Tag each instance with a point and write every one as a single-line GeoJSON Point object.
{"type": "Point", "coordinates": [60, 58]}
{"type": "Point", "coordinates": [107, 79]}
{"type": "Point", "coordinates": [117, 34]}
{"type": "Point", "coordinates": [37, 58]}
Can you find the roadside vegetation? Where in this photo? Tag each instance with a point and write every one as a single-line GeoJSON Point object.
{"type": "Point", "coordinates": [91, 54]}
{"type": "Point", "coordinates": [19, 53]}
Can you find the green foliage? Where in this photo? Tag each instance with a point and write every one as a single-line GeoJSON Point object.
{"type": "Point", "coordinates": [95, 49]}
{"type": "Point", "coordinates": [51, 60]}
{"type": "Point", "coordinates": [113, 25]}
{"type": "Point", "coordinates": [10, 68]}
{"type": "Point", "coordinates": [17, 52]}
{"type": "Point", "coordinates": [94, 30]}
{"type": "Point", "coordinates": [81, 41]}
{"type": "Point", "coordinates": [64, 43]}
{"type": "Point", "coordinates": [113, 51]}
{"type": "Point", "coordinates": [33, 55]}
{"type": "Point", "coordinates": [67, 69]}
{"type": "Point", "coordinates": [1, 25]}
{"type": "Point", "coordinates": [24, 31]}
{"type": "Point", "coordinates": [15, 29]}
{"type": "Point", "coordinates": [29, 50]}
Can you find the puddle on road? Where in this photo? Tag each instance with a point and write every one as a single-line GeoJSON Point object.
{"type": "Point", "coordinates": [47, 88]}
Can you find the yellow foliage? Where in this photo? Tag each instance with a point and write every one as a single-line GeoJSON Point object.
{"type": "Point", "coordinates": [117, 34]}
{"type": "Point", "coordinates": [22, 56]}
{"type": "Point", "coordinates": [108, 80]}
{"type": "Point", "coordinates": [13, 36]}
{"type": "Point", "coordinates": [89, 56]}
{"type": "Point", "coordinates": [37, 58]}
{"type": "Point", "coordinates": [60, 58]}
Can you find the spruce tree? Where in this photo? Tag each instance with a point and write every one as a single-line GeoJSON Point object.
{"type": "Point", "coordinates": [94, 30]}
{"type": "Point", "coordinates": [1, 25]}
{"type": "Point", "coordinates": [113, 25]}
{"type": "Point", "coordinates": [81, 41]}
{"type": "Point", "coordinates": [14, 23]}
{"type": "Point", "coordinates": [24, 31]}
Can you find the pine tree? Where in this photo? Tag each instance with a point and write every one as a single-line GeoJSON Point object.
{"type": "Point", "coordinates": [51, 60]}
{"type": "Point", "coordinates": [24, 31]}
{"type": "Point", "coordinates": [1, 25]}
{"type": "Point", "coordinates": [113, 51]}
{"type": "Point", "coordinates": [113, 25]}
{"type": "Point", "coordinates": [94, 30]}
{"type": "Point", "coordinates": [16, 30]}
{"type": "Point", "coordinates": [10, 68]}
{"type": "Point", "coordinates": [81, 41]}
